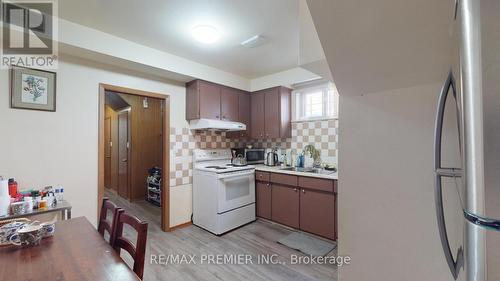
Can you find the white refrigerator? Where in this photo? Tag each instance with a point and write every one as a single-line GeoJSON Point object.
{"type": "Point", "coordinates": [467, 145]}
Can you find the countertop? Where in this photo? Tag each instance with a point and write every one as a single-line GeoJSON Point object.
{"type": "Point", "coordinates": [277, 169]}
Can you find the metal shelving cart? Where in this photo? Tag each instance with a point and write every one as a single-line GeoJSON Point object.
{"type": "Point", "coordinates": [154, 186]}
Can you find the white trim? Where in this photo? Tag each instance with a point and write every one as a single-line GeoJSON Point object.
{"type": "Point", "coordinates": [315, 119]}
{"type": "Point", "coordinates": [310, 84]}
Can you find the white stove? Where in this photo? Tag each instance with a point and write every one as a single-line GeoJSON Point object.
{"type": "Point", "coordinates": [216, 160]}
{"type": "Point", "coordinates": [220, 167]}
{"type": "Point", "coordinates": [223, 194]}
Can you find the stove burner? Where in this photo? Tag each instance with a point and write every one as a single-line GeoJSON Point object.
{"type": "Point", "coordinates": [233, 165]}
{"type": "Point", "coordinates": [216, 167]}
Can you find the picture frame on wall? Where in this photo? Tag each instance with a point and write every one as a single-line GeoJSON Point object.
{"type": "Point", "coordinates": [32, 89]}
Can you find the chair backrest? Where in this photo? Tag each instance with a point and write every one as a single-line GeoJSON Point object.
{"type": "Point", "coordinates": [138, 252]}
{"type": "Point", "coordinates": [104, 224]}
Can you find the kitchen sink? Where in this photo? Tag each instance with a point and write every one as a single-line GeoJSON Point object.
{"type": "Point", "coordinates": [307, 170]}
{"type": "Point", "coordinates": [296, 169]}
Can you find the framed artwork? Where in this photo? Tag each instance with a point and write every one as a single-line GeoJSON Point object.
{"type": "Point", "coordinates": [32, 89]}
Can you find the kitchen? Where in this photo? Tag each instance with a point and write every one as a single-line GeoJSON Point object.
{"type": "Point", "coordinates": [294, 140]}
{"type": "Point", "coordinates": [251, 84]}
{"type": "Point", "coordinates": [280, 189]}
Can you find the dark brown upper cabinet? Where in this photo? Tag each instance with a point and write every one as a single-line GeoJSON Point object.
{"type": "Point", "coordinates": [243, 115]}
{"type": "Point", "coordinates": [266, 113]}
{"type": "Point", "coordinates": [211, 101]}
{"type": "Point", "coordinates": [257, 115]}
{"type": "Point", "coordinates": [229, 104]}
{"type": "Point", "coordinates": [208, 100]}
{"type": "Point", "coordinates": [244, 112]}
{"type": "Point", "coordinates": [271, 113]}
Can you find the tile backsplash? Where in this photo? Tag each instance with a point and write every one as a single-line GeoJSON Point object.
{"type": "Point", "coordinates": [322, 134]}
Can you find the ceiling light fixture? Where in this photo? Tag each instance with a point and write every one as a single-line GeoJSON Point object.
{"type": "Point", "coordinates": [205, 34]}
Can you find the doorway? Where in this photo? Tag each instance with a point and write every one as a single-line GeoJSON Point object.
{"type": "Point", "coordinates": [123, 156]}
{"type": "Point", "coordinates": [134, 140]}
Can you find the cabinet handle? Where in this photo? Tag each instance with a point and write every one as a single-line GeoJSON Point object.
{"type": "Point", "coordinates": [303, 191]}
{"type": "Point", "coordinates": [224, 117]}
{"type": "Point", "coordinates": [217, 116]}
{"type": "Point", "coordinates": [295, 189]}
{"type": "Point", "coordinates": [268, 185]}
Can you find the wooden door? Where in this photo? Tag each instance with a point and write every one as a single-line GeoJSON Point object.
{"type": "Point", "coordinates": [317, 213]}
{"type": "Point", "coordinates": [209, 101]}
{"type": "Point", "coordinates": [146, 126]}
{"type": "Point", "coordinates": [123, 154]}
{"type": "Point", "coordinates": [272, 109]}
{"type": "Point", "coordinates": [229, 104]}
{"type": "Point", "coordinates": [107, 152]}
{"type": "Point", "coordinates": [263, 199]}
{"type": "Point", "coordinates": [285, 205]}
{"type": "Point", "coordinates": [257, 116]}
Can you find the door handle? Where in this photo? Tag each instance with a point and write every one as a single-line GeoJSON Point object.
{"type": "Point", "coordinates": [124, 160]}
{"type": "Point", "coordinates": [454, 264]}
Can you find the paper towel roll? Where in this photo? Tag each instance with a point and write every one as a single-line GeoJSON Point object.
{"type": "Point", "coordinates": [4, 205]}
{"type": "Point", "coordinates": [4, 188]}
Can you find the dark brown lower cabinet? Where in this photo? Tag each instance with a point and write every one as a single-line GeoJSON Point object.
{"type": "Point", "coordinates": [305, 203]}
{"type": "Point", "coordinates": [263, 199]}
{"type": "Point", "coordinates": [317, 213]}
{"type": "Point", "coordinates": [285, 205]}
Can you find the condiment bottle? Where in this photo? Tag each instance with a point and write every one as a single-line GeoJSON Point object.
{"type": "Point", "coordinates": [12, 188]}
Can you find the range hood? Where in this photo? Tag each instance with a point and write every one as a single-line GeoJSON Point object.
{"type": "Point", "coordinates": [216, 125]}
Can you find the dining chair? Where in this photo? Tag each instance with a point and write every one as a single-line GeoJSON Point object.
{"type": "Point", "coordinates": [138, 252]}
{"type": "Point", "coordinates": [104, 223]}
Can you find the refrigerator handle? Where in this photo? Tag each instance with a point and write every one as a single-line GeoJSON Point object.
{"type": "Point", "coordinates": [453, 264]}
{"type": "Point", "coordinates": [487, 223]}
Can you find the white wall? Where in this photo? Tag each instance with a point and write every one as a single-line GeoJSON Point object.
{"type": "Point", "coordinates": [387, 221]}
{"type": "Point", "coordinates": [373, 46]}
{"type": "Point", "coordinates": [45, 148]}
{"type": "Point", "coordinates": [284, 78]}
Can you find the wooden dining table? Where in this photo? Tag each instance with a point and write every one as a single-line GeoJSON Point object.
{"type": "Point", "coordinates": [75, 252]}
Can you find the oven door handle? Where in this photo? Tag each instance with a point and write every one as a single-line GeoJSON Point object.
{"type": "Point", "coordinates": [233, 175]}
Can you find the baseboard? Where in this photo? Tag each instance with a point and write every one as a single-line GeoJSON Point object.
{"type": "Point", "coordinates": [172, 228]}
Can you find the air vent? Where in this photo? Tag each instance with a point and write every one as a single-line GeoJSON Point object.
{"type": "Point", "coordinates": [254, 41]}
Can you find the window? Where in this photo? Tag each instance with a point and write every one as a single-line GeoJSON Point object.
{"type": "Point", "coordinates": [319, 101]}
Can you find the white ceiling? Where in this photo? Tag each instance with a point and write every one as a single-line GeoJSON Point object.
{"type": "Point", "coordinates": [166, 25]}
{"type": "Point", "coordinates": [374, 46]}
